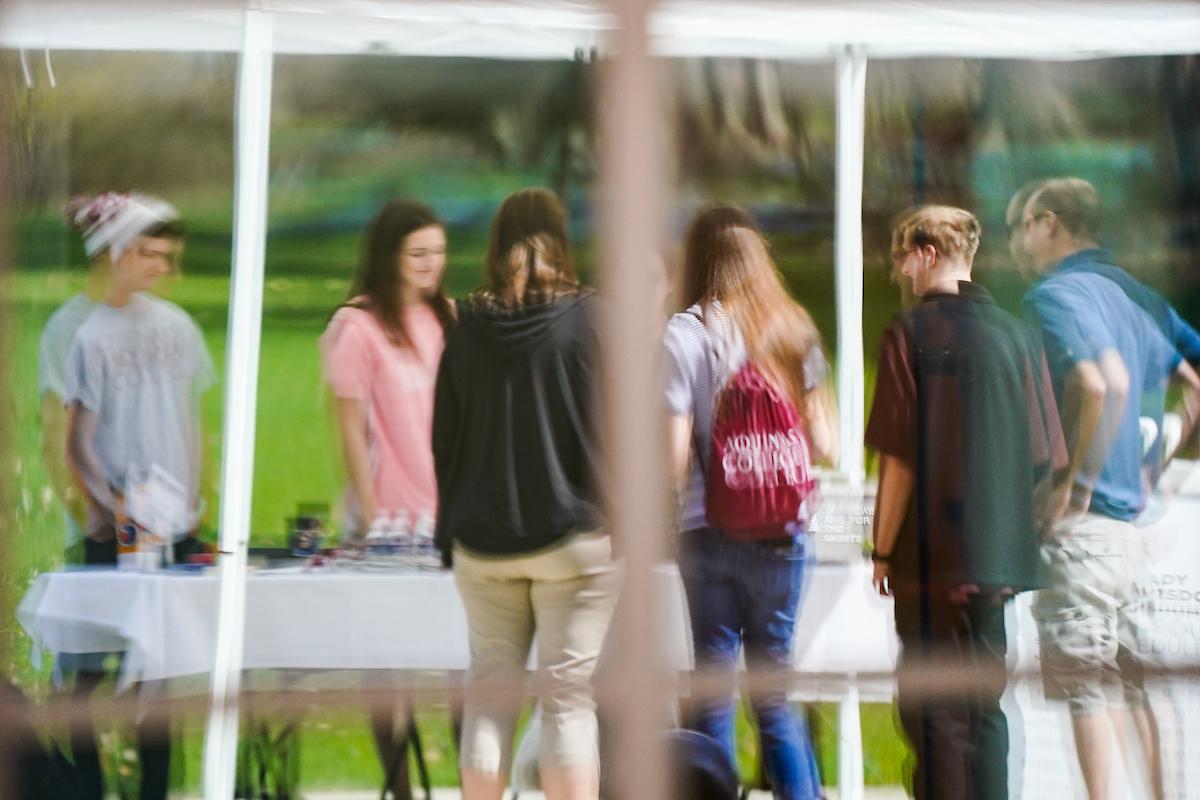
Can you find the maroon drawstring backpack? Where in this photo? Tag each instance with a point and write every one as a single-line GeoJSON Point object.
{"type": "Point", "coordinates": [760, 467]}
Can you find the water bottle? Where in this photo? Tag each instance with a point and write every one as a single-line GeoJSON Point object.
{"type": "Point", "coordinates": [424, 548]}
{"type": "Point", "coordinates": [376, 543]}
{"type": "Point", "coordinates": [399, 535]}
{"type": "Point", "coordinates": [150, 552]}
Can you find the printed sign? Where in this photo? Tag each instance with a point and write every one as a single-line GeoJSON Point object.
{"type": "Point", "coordinates": [843, 521]}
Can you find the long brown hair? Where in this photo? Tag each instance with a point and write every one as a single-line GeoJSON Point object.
{"type": "Point", "coordinates": [529, 252]}
{"type": "Point", "coordinates": [726, 259]}
{"type": "Point", "coordinates": [377, 285]}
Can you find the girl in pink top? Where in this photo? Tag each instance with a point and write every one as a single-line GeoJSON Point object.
{"type": "Point", "coordinates": [380, 354]}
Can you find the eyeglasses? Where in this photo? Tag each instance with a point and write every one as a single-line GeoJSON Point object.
{"type": "Point", "coordinates": [441, 251]}
{"type": "Point", "coordinates": [899, 256]}
{"type": "Point", "coordinates": [1024, 223]}
{"type": "Point", "coordinates": [1032, 218]}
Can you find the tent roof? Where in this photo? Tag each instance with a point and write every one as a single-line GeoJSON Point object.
{"type": "Point", "coordinates": [557, 28]}
{"type": "Point", "coordinates": [1034, 29]}
{"type": "Point", "coordinates": [527, 29]}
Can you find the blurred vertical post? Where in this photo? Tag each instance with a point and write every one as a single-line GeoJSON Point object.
{"type": "Point", "coordinates": [630, 121]}
{"type": "Point", "coordinates": [7, 601]}
{"type": "Point", "coordinates": [253, 134]}
{"type": "Point", "coordinates": [848, 252]}
{"type": "Point", "coordinates": [851, 125]}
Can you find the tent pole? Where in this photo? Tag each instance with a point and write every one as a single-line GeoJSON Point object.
{"type": "Point", "coordinates": [252, 141]}
{"type": "Point", "coordinates": [848, 240]}
{"type": "Point", "coordinates": [631, 213]}
{"type": "Point", "coordinates": [848, 249]}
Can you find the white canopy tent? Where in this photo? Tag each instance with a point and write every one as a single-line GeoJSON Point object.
{"type": "Point", "coordinates": [1032, 29]}
{"type": "Point", "coordinates": [849, 33]}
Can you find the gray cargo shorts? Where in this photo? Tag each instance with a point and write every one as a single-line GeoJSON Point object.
{"type": "Point", "coordinates": [1094, 618]}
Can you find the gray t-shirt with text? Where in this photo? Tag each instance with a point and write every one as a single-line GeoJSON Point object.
{"type": "Point", "coordinates": [141, 369]}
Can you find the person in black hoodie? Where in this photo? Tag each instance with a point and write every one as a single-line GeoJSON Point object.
{"type": "Point", "coordinates": [518, 513]}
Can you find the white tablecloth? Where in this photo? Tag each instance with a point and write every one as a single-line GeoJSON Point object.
{"type": "Point", "coordinates": [166, 622]}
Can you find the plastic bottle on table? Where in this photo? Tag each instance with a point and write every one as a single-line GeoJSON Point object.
{"type": "Point", "coordinates": [167, 555]}
{"type": "Point", "coordinates": [375, 543]}
{"type": "Point", "coordinates": [399, 535]}
{"type": "Point", "coordinates": [150, 547]}
{"type": "Point", "coordinates": [424, 548]}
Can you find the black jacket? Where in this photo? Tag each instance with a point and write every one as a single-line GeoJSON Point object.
{"type": "Point", "coordinates": [513, 434]}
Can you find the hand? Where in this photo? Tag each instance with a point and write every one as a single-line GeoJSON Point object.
{"type": "Point", "coordinates": [1081, 500]}
{"type": "Point", "coordinates": [1056, 504]}
{"type": "Point", "coordinates": [354, 542]}
{"type": "Point", "coordinates": [1068, 499]}
{"type": "Point", "coordinates": [880, 579]}
{"type": "Point", "coordinates": [100, 529]}
{"type": "Point", "coordinates": [368, 513]}
{"type": "Point", "coordinates": [1054, 507]}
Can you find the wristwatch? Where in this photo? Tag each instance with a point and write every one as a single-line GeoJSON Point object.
{"type": "Point", "coordinates": [880, 558]}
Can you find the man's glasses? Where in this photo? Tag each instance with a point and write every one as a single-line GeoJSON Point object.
{"type": "Point", "coordinates": [1025, 222]}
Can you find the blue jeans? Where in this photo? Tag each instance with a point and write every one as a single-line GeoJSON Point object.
{"type": "Point", "coordinates": [749, 593]}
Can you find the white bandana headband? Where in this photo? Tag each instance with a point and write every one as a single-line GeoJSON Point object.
{"type": "Point", "coordinates": [113, 220]}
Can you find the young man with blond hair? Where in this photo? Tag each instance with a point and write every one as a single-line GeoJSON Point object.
{"type": "Point", "coordinates": [965, 428]}
{"type": "Point", "coordinates": [1108, 352]}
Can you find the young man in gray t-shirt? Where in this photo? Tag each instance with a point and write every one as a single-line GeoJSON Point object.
{"type": "Point", "coordinates": [135, 372]}
{"type": "Point", "coordinates": [133, 376]}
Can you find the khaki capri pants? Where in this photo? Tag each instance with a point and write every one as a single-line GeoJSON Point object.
{"type": "Point", "coordinates": [565, 594]}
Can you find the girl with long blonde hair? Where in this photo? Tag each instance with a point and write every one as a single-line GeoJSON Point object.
{"type": "Point", "coordinates": [736, 310]}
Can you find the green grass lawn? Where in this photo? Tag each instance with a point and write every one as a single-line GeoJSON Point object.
{"type": "Point", "coordinates": [295, 461]}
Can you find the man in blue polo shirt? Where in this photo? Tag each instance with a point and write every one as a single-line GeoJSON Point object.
{"type": "Point", "coordinates": [1106, 352]}
{"type": "Point", "coordinates": [1183, 336]}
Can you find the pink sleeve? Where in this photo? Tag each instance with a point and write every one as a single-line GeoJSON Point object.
{"type": "Point", "coordinates": [346, 356]}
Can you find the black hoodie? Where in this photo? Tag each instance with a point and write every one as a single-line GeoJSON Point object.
{"type": "Point", "coordinates": [513, 433]}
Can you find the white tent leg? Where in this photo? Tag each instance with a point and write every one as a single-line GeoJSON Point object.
{"type": "Point", "coordinates": [850, 751]}
{"type": "Point", "coordinates": [848, 249]}
{"type": "Point", "coordinates": [253, 135]}
{"type": "Point", "coordinates": [851, 124]}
